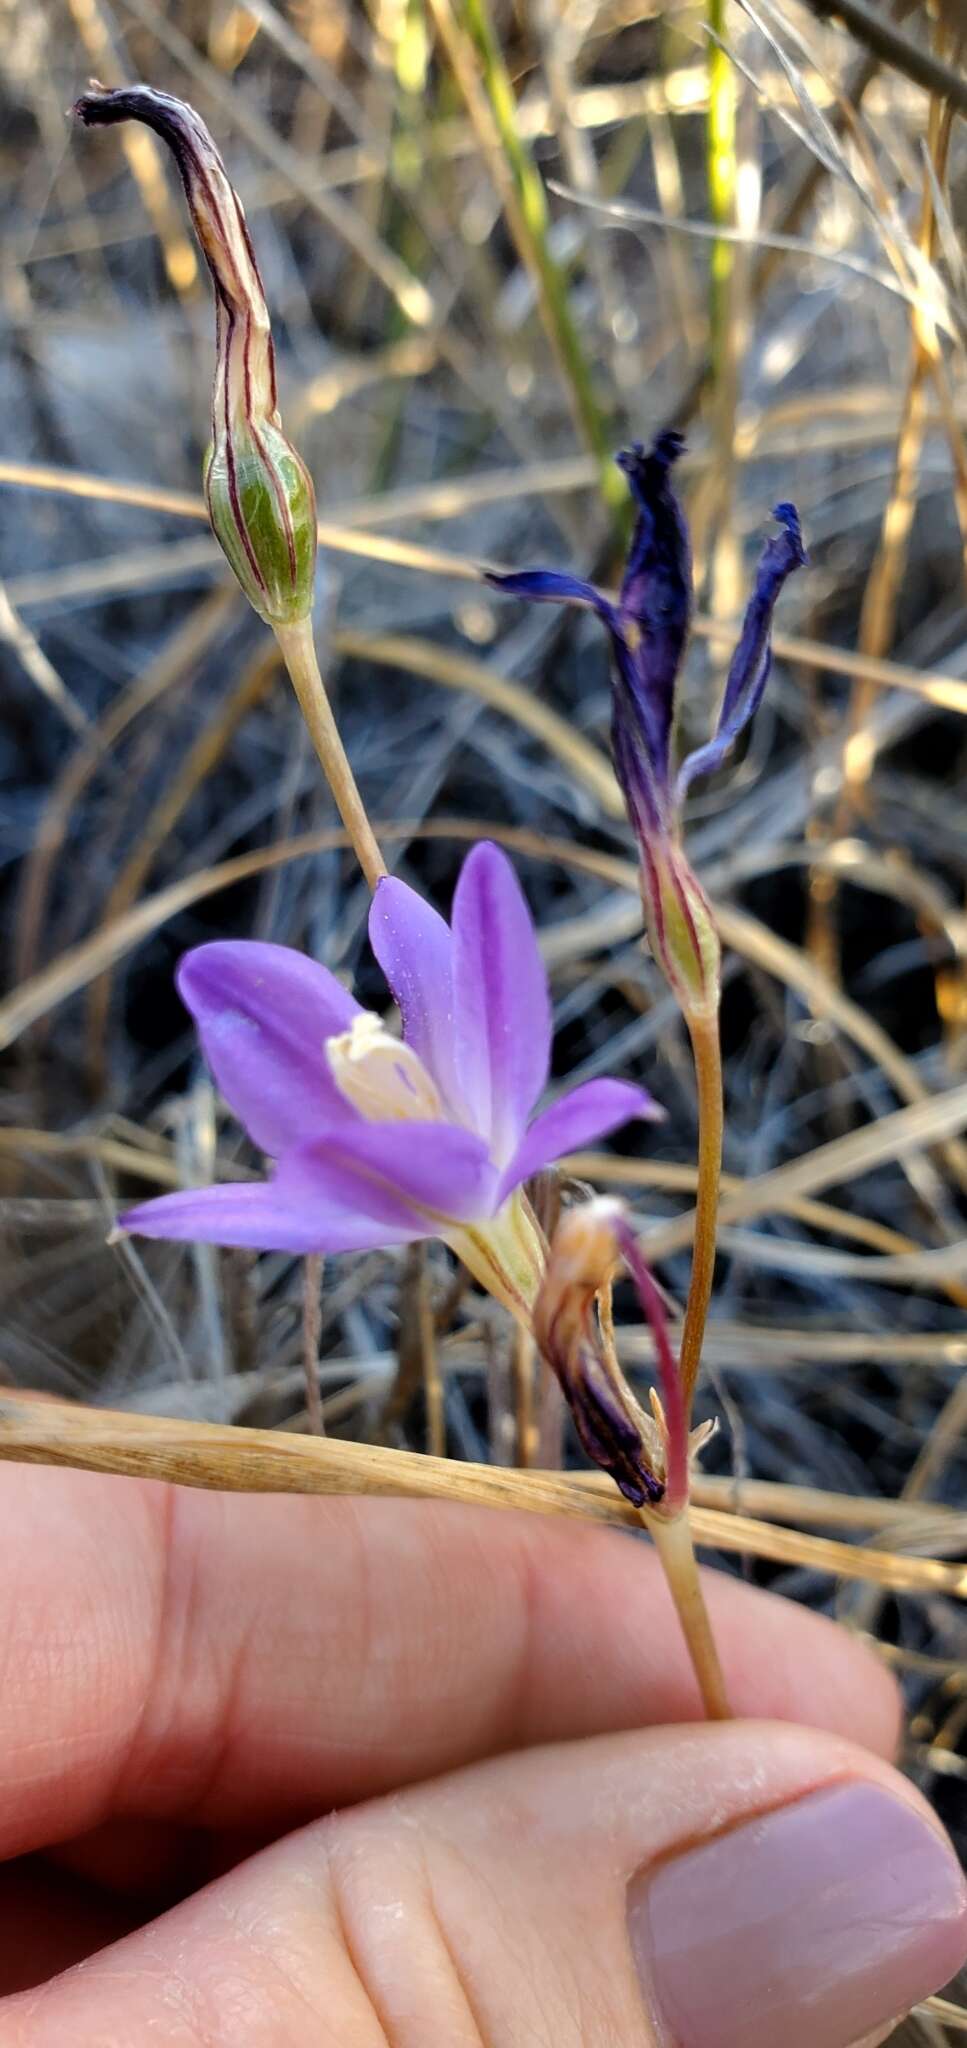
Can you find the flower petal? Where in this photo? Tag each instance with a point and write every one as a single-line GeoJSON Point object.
{"type": "Point", "coordinates": [263, 1014]}
{"type": "Point", "coordinates": [273, 1217]}
{"type": "Point", "coordinates": [359, 1187]}
{"type": "Point", "coordinates": [549, 586]}
{"type": "Point", "coordinates": [502, 1006]}
{"type": "Point", "coordinates": [587, 1113]}
{"type": "Point", "coordinates": [656, 594]}
{"type": "Point", "coordinates": [751, 662]}
{"type": "Point", "coordinates": [441, 1169]}
{"type": "Point", "coordinates": [412, 943]}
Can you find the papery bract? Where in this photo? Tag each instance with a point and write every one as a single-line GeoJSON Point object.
{"type": "Point", "coordinates": [378, 1141]}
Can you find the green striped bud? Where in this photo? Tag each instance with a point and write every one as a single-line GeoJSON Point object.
{"type": "Point", "coordinates": [263, 513]}
{"type": "Point", "coordinates": [680, 926]}
{"type": "Point", "coordinates": [258, 491]}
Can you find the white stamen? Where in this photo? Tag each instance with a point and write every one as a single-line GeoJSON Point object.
{"type": "Point", "coordinates": [383, 1078]}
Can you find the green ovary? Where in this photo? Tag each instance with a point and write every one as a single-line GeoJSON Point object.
{"type": "Point", "coordinates": [254, 538]}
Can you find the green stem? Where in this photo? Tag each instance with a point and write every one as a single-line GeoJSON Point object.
{"type": "Point", "coordinates": [482, 65]}
{"type": "Point", "coordinates": [706, 1046]}
{"type": "Point", "coordinates": [721, 158]}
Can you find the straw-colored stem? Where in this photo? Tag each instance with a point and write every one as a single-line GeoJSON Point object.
{"type": "Point", "coordinates": [706, 1047]}
{"type": "Point", "coordinates": [672, 1538]}
{"type": "Point", "coordinates": [299, 655]}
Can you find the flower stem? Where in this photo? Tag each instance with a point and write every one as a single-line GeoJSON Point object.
{"type": "Point", "coordinates": [706, 1047]}
{"type": "Point", "coordinates": [299, 654]}
{"type": "Point", "coordinates": [672, 1536]}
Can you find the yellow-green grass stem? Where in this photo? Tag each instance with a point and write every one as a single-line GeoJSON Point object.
{"type": "Point", "coordinates": [530, 222]}
{"type": "Point", "coordinates": [721, 163]}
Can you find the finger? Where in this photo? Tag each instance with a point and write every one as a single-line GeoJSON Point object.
{"type": "Point", "coordinates": [708, 1887]}
{"type": "Point", "coordinates": [235, 1661]}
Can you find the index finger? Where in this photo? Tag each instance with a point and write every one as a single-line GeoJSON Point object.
{"type": "Point", "coordinates": [233, 1660]}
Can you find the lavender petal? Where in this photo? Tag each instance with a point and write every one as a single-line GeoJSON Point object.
{"type": "Point", "coordinates": [586, 1114]}
{"type": "Point", "coordinates": [271, 1217]}
{"type": "Point", "coordinates": [751, 662]}
{"type": "Point", "coordinates": [412, 943]}
{"type": "Point", "coordinates": [502, 1006]}
{"type": "Point", "coordinates": [441, 1169]}
{"type": "Point", "coordinates": [263, 1014]}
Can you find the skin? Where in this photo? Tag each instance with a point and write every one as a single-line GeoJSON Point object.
{"type": "Point", "coordinates": [365, 1774]}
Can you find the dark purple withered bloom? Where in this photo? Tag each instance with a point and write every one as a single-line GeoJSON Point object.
{"type": "Point", "coordinates": [380, 1141]}
{"type": "Point", "coordinates": [647, 1455]}
{"type": "Point", "coordinates": [648, 629]}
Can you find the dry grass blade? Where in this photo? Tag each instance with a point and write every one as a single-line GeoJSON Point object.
{"type": "Point", "coordinates": [262, 1461]}
{"type": "Point", "coordinates": [840, 1161]}
{"type": "Point", "coordinates": [35, 664]}
{"type": "Point", "coordinates": [893, 47]}
{"type": "Point", "coordinates": [201, 761]}
{"type": "Point", "coordinates": [458, 672]}
{"type": "Point", "coordinates": [444, 501]}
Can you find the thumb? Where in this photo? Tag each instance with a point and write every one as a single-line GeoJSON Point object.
{"type": "Point", "coordinates": [735, 1886]}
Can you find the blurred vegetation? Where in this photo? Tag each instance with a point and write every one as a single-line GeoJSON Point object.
{"type": "Point", "coordinates": [497, 241]}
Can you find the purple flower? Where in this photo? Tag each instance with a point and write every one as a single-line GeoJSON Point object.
{"type": "Point", "coordinates": [648, 629]}
{"type": "Point", "coordinates": [381, 1141]}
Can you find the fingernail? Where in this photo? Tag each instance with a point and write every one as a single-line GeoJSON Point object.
{"type": "Point", "coordinates": [810, 1927]}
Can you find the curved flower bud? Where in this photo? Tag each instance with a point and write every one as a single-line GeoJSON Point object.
{"type": "Point", "coordinates": [646, 1455]}
{"type": "Point", "coordinates": [259, 492]}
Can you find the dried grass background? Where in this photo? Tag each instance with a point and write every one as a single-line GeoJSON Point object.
{"type": "Point", "coordinates": [157, 788]}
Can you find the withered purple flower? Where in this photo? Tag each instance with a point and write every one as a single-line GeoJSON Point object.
{"type": "Point", "coordinates": [648, 628]}
{"type": "Point", "coordinates": [259, 492]}
{"type": "Point", "coordinates": [647, 1455]}
{"type": "Point", "coordinates": [380, 1141]}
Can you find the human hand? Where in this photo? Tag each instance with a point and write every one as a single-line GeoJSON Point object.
{"type": "Point", "coordinates": [553, 1850]}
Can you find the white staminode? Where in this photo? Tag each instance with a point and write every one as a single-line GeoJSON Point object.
{"type": "Point", "coordinates": [381, 1076]}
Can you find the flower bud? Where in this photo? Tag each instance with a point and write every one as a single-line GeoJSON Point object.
{"type": "Point", "coordinates": [259, 493]}
{"type": "Point", "coordinates": [263, 513]}
{"type": "Point", "coordinates": [680, 926]}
